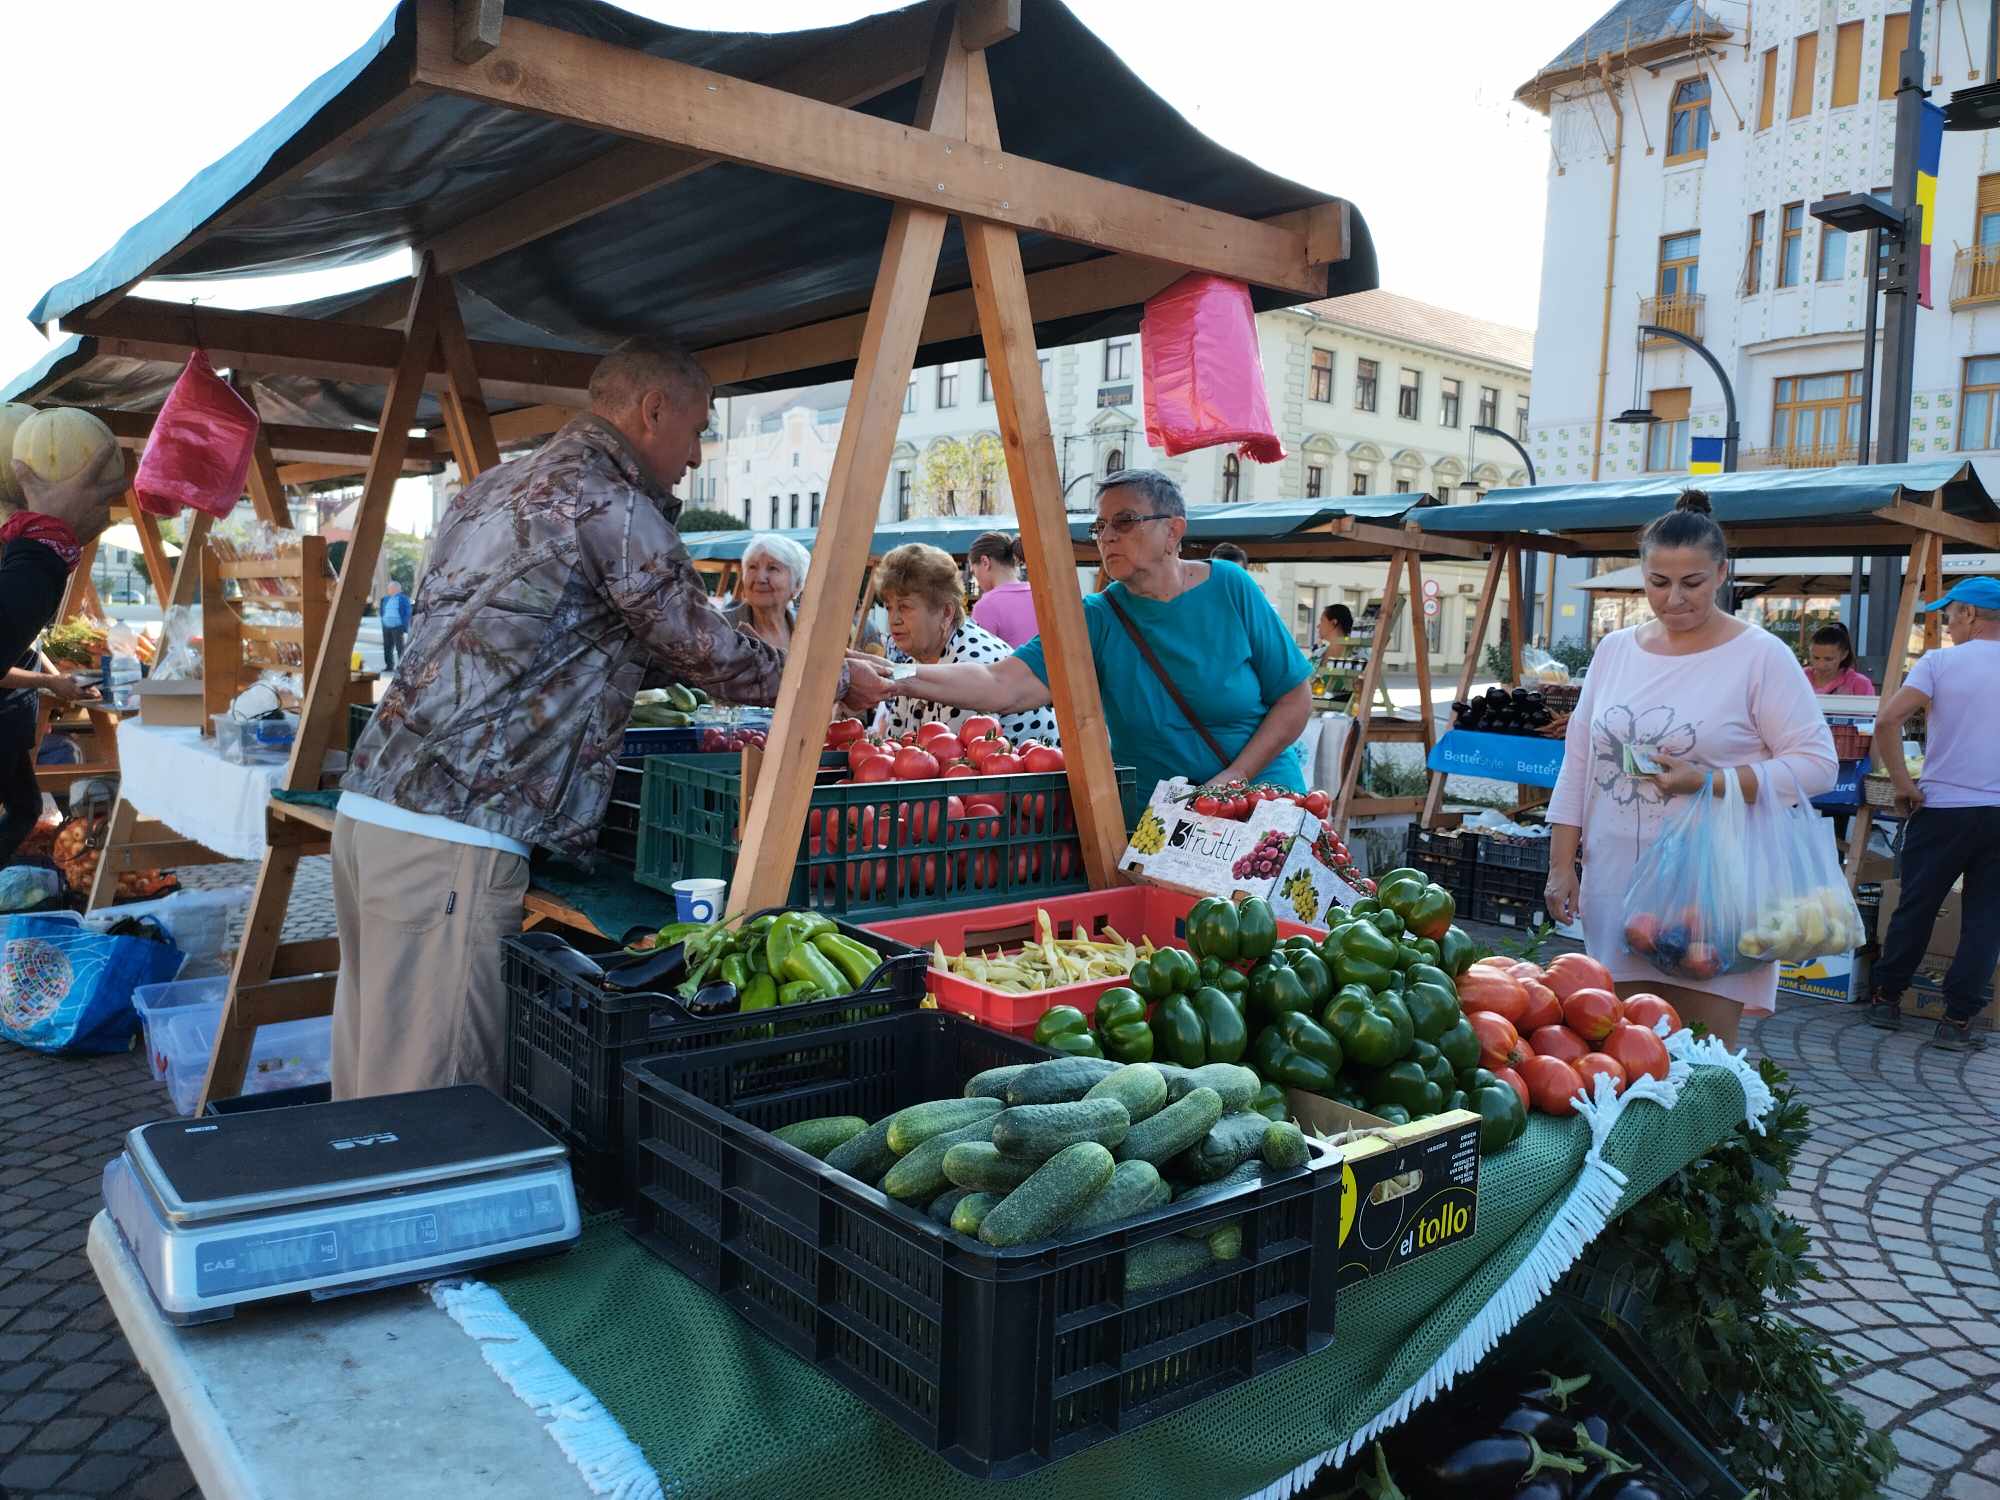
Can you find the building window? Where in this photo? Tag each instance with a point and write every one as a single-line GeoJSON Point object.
{"type": "Point", "coordinates": [902, 494]}
{"type": "Point", "coordinates": [1895, 37]}
{"type": "Point", "coordinates": [1767, 93]}
{"type": "Point", "coordinates": [985, 381]}
{"type": "Point", "coordinates": [1521, 418]}
{"type": "Point", "coordinates": [746, 511]}
{"type": "Point", "coordinates": [1753, 257]}
{"type": "Point", "coordinates": [1118, 360]}
{"type": "Point", "coordinates": [910, 396]}
{"type": "Point", "coordinates": [774, 513]}
{"type": "Point", "coordinates": [1114, 461]}
{"type": "Point", "coordinates": [1044, 363]}
{"type": "Point", "coordinates": [1448, 392]}
{"type": "Point", "coordinates": [1791, 235]}
{"type": "Point", "coordinates": [1434, 627]}
{"type": "Point", "coordinates": [795, 460]}
{"type": "Point", "coordinates": [1232, 478]}
{"type": "Point", "coordinates": [1315, 481]}
{"type": "Point", "coordinates": [1680, 264]}
{"type": "Point", "coordinates": [1816, 417]}
{"type": "Point", "coordinates": [1978, 402]}
{"type": "Point", "coordinates": [792, 514]}
{"type": "Point", "coordinates": [814, 512]}
{"type": "Point", "coordinates": [1360, 486]}
{"type": "Point", "coordinates": [1489, 406]}
{"type": "Point", "coordinates": [1409, 397]}
{"type": "Point", "coordinates": [1667, 438]}
{"type": "Point", "coordinates": [1846, 64]}
{"type": "Point", "coordinates": [1805, 57]}
{"type": "Point", "coordinates": [1402, 486]}
{"type": "Point", "coordinates": [1320, 384]}
{"type": "Point", "coordinates": [1687, 121]}
{"type": "Point", "coordinates": [947, 387]}
{"type": "Point", "coordinates": [1832, 254]}
{"type": "Point", "coordinates": [1366, 372]}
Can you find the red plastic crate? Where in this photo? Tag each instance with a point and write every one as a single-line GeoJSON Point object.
{"type": "Point", "coordinates": [1135, 912]}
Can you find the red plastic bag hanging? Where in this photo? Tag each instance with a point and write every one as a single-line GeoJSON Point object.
{"type": "Point", "coordinates": [200, 450]}
{"type": "Point", "coordinates": [1204, 375]}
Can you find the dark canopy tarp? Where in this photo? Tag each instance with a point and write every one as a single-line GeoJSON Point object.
{"type": "Point", "coordinates": [726, 253]}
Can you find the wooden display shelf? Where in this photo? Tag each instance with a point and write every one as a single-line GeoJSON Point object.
{"type": "Point", "coordinates": [235, 651]}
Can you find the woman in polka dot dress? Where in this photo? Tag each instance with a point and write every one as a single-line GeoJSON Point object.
{"type": "Point", "coordinates": [921, 589]}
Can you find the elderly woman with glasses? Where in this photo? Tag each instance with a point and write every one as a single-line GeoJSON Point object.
{"type": "Point", "coordinates": [1198, 673]}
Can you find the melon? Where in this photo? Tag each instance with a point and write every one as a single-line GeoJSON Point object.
{"type": "Point", "coordinates": [61, 442]}
{"type": "Point", "coordinates": [12, 415]}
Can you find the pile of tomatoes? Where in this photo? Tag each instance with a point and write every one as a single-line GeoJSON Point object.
{"type": "Point", "coordinates": [1236, 800]}
{"type": "Point", "coordinates": [1550, 1032]}
{"type": "Point", "coordinates": [934, 750]}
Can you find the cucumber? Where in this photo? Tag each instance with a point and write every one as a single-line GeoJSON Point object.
{"type": "Point", "coordinates": [1195, 1192]}
{"type": "Point", "coordinates": [992, 1084]}
{"type": "Point", "coordinates": [1230, 1142]}
{"type": "Point", "coordinates": [1237, 1085]}
{"type": "Point", "coordinates": [919, 1177]}
{"type": "Point", "coordinates": [1226, 1243]}
{"type": "Point", "coordinates": [1037, 1132]}
{"type": "Point", "coordinates": [1135, 1188]}
{"type": "Point", "coordinates": [1061, 1080]}
{"type": "Point", "coordinates": [910, 1128]}
{"type": "Point", "coordinates": [944, 1203]}
{"type": "Point", "coordinates": [1174, 1129]}
{"type": "Point", "coordinates": [1140, 1087]}
{"type": "Point", "coordinates": [1285, 1146]}
{"type": "Point", "coordinates": [1057, 1193]}
{"type": "Point", "coordinates": [865, 1156]}
{"type": "Point", "coordinates": [982, 1167]}
{"type": "Point", "coordinates": [1166, 1260]}
{"type": "Point", "coordinates": [972, 1211]}
{"type": "Point", "coordinates": [818, 1137]}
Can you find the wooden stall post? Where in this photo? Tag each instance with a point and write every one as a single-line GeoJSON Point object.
{"type": "Point", "coordinates": [1422, 642]}
{"type": "Point", "coordinates": [1495, 565]}
{"type": "Point", "coordinates": [267, 491]}
{"type": "Point", "coordinates": [159, 572]}
{"type": "Point", "coordinates": [1364, 696]}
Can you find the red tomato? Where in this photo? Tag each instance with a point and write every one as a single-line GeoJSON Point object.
{"type": "Point", "coordinates": [1367, 887]}
{"type": "Point", "coordinates": [1206, 806]}
{"type": "Point", "coordinates": [875, 768]}
{"type": "Point", "coordinates": [1645, 1010]}
{"type": "Point", "coordinates": [917, 876]}
{"type": "Point", "coordinates": [1481, 988]}
{"type": "Point", "coordinates": [1030, 743]}
{"type": "Point", "coordinates": [1068, 861]}
{"type": "Point", "coordinates": [1552, 1085]}
{"type": "Point", "coordinates": [1031, 810]}
{"type": "Point", "coordinates": [1543, 1007]}
{"type": "Point", "coordinates": [860, 750]}
{"type": "Point", "coordinates": [1042, 758]}
{"type": "Point", "coordinates": [961, 768]}
{"type": "Point", "coordinates": [1318, 804]}
{"type": "Point", "coordinates": [844, 732]}
{"type": "Point", "coordinates": [1525, 969]}
{"type": "Point", "coordinates": [946, 747]}
{"type": "Point", "coordinates": [1701, 961]}
{"type": "Point", "coordinates": [919, 822]}
{"type": "Point", "coordinates": [985, 804]}
{"type": "Point", "coordinates": [929, 730]}
{"type": "Point", "coordinates": [1591, 1013]}
{"type": "Point", "coordinates": [977, 750]}
{"type": "Point", "coordinates": [1027, 864]}
{"type": "Point", "coordinates": [1001, 763]}
{"type": "Point", "coordinates": [915, 765]}
{"type": "Point", "coordinates": [1642, 932]}
{"type": "Point", "coordinates": [1558, 1041]}
{"type": "Point", "coordinates": [1638, 1050]}
{"type": "Point", "coordinates": [1500, 1044]}
{"type": "Point", "coordinates": [1592, 1063]}
{"type": "Point", "coordinates": [1577, 971]}
{"type": "Point", "coordinates": [978, 726]}
{"type": "Point", "coordinates": [1513, 1081]}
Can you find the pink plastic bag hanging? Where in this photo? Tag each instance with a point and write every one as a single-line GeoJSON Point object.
{"type": "Point", "coordinates": [1204, 375]}
{"type": "Point", "coordinates": [200, 450]}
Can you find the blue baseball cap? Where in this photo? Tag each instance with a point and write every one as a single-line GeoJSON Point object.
{"type": "Point", "coordinates": [1980, 593]}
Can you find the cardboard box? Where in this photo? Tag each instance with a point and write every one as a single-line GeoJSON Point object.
{"type": "Point", "coordinates": [1409, 1189]}
{"type": "Point", "coordinates": [176, 705]}
{"type": "Point", "coordinates": [1177, 848]}
{"type": "Point", "coordinates": [1926, 996]}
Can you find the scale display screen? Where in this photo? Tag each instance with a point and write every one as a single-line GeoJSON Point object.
{"type": "Point", "coordinates": [276, 1257]}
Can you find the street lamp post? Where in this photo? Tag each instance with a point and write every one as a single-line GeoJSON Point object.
{"type": "Point", "coordinates": [1512, 442]}
{"type": "Point", "coordinates": [1528, 562]}
{"type": "Point", "coordinates": [1730, 431]}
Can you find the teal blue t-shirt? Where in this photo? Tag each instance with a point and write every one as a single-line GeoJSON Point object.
{"type": "Point", "coordinates": [1228, 652]}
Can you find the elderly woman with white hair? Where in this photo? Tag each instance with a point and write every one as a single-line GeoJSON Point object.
{"type": "Point", "coordinates": [766, 602]}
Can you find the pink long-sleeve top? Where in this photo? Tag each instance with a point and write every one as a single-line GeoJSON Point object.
{"type": "Point", "coordinates": [1746, 702]}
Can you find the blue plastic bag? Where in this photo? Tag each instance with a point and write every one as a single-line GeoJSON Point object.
{"type": "Point", "coordinates": [63, 989]}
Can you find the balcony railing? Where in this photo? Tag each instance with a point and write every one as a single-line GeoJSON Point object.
{"type": "Point", "coordinates": [1828, 457]}
{"type": "Point", "coordinates": [1975, 276]}
{"type": "Point", "coordinates": [1681, 312]}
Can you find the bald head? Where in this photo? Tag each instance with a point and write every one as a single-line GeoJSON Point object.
{"type": "Point", "coordinates": [656, 394]}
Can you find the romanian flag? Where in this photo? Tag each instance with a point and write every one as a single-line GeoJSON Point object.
{"type": "Point", "coordinates": [1930, 146]}
{"type": "Point", "coordinates": [1704, 455]}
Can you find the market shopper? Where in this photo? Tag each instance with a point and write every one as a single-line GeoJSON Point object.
{"type": "Point", "coordinates": [1953, 831]}
{"type": "Point", "coordinates": [1336, 624]}
{"type": "Point", "coordinates": [1229, 552]}
{"type": "Point", "coordinates": [21, 690]}
{"type": "Point", "coordinates": [1006, 606]}
{"type": "Point", "coordinates": [1198, 675]}
{"type": "Point", "coordinates": [1830, 664]}
{"type": "Point", "coordinates": [41, 542]}
{"type": "Point", "coordinates": [394, 613]}
{"type": "Point", "coordinates": [919, 586]}
{"type": "Point", "coordinates": [767, 600]}
{"type": "Point", "coordinates": [1698, 692]}
{"type": "Point", "coordinates": [557, 588]}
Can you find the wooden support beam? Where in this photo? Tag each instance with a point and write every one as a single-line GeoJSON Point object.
{"type": "Point", "coordinates": [536, 69]}
{"type": "Point", "coordinates": [1984, 535]}
{"type": "Point", "coordinates": [118, 830]}
{"type": "Point", "coordinates": [514, 427]}
{"type": "Point", "coordinates": [1409, 539]}
{"type": "Point", "coordinates": [1489, 591]}
{"type": "Point", "coordinates": [987, 23]}
{"type": "Point", "coordinates": [256, 955]}
{"type": "Point", "coordinates": [1420, 642]}
{"type": "Point", "coordinates": [1364, 694]}
{"type": "Point", "coordinates": [159, 571]}
{"type": "Point", "coordinates": [267, 491]}
{"type": "Point", "coordinates": [347, 447]}
{"type": "Point", "coordinates": [309, 956]}
{"type": "Point", "coordinates": [79, 592]}
{"type": "Point", "coordinates": [187, 572]}
{"type": "Point", "coordinates": [475, 28]}
{"type": "Point", "coordinates": [994, 253]}
{"type": "Point", "coordinates": [465, 416]}
{"type": "Point", "coordinates": [777, 819]}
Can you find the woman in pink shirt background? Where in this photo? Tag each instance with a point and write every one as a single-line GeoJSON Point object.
{"type": "Point", "coordinates": [1830, 664]}
{"type": "Point", "coordinates": [1697, 691]}
{"type": "Point", "coordinates": [1005, 607]}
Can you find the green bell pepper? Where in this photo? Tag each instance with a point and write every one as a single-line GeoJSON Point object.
{"type": "Point", "coordinates": [1275, 991]}
{"type": "Point", "coordinates": [1399, 890]}
{"type": "Point", "coordinates": [1436, 1069]}
{"type": "Point", "coordinates": [1365, 1034]}
{"type": "Point", "coordinates": [1269, 1101]}
{"type": "Point", "coordinates": [1121, 1025]}
{"type": "Point", "coordinates": [1402, 872]}
{"type": "Point", "coordinates": [1431, 974]}
{"type": "Point", "coordinates": [1362, 971]}
{"type": "Point", "coordinates": [1404, 1085]}
{"type": "Point", "coordinates": [760, 994]}
{"type": "Point", "coordinates": [1433, 1009]}
{"type": "Point", "coordinates": [1456, 952]}
{"type": "Point", "coordinates": [1407, 955]}
{"type": "Point", "coordinates": [1501, 1117]}
{"type": "Point", "coordinates": [1364, 906]}
{"type": "Point", "coordinates": [1297, 1051]}
{"type": "Point", "coordinates": [1363, 942]}
{"type": "Point", "coordinates": [1147, 982]}
{"type": "Point", "coordinates": [1176, 969]}
{"type": "Point", "coordinates": [1065, 1029]}
{"type": "Point", "coordinates": [1394, 1114]}
{"type": "Point", "coordinates": [856, 961]}
{"type": "Point", "coordinates": [736, 972]}
{"type": "Point", "coordinates": [1430, 916]}
{"type": "Point", "coordinates": [1212, 929]}
{"type": "Point", "coordinates": [1226, 1037]}
{"type": "Point", "coordinates": [1233, 982]}
{"type": "Point", "coordinates": [1313, 975]}
{"type": "Point", "coordinates": [1387, 923]}
{"type": "Point", "coordinates": [1390, 1003]}
{"type": "Point", "coordinates": [1178, 1034]}
{"type": "Point", "coordinates": [787, 931]}
{"type": "Point", "coordinates": [1428, 949]}
{"type": "Point", "coordinates": [1456, 1099]}
{"type": "Point", "coordinates": [1210, 970]}
{"type": "Point", "coordinates": [1460, 1045]}
{"type": "Point", "coordinates": [1256, 929]}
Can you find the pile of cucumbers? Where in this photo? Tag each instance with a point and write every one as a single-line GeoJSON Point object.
{"type": "Point", "coordinates": [1036, 1150]}
{"type": "Point", "coordinates": [670, 707]}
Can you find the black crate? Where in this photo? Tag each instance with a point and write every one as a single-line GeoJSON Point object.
{"type": "Point", "coordinates": [358, 715]}
{"type": "Point", "coordinates": [999, 1361]}
{"type": "Point", "coordinates": [1502, 883]}
{"type": "Point", "coordinates": [568, 1038]}
{"type": "Point", "coordinates": [1514, 854]}
{"type": "Point", "coordinates": [1449, 859]}
{"type": "Point", "coordinates": [618, 834]}
{"type": "Point", "coordinates": [1502, 911]}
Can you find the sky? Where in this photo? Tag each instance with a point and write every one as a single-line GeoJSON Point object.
{"type": "Point", "coordinates": [1404, 109]}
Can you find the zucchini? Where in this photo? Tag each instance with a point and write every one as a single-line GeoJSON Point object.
{"type": "Point", "coordinates": [865, 1156]}
{"type": "Point", "coordinates": [1230, 1142]}
{"type": "Point", "coordinates": [1136, 1187]}
{"type": "Point", "coordinates": [919, 1177]}
{"type": "Point", "coordinates": [982, 1167]}
{"type": "Point", "coordinates": [992, 1084]}
{"type": "Point", "coordinates": [1174, 1129]}
{"type": "Point", "coordinates": [1061, 1080]}
{"type": "Point", "coordinates": [1237, 1085]}
{"type": "Point", "coordinates": [818, 1137]}
{"type": "Point", "coordinates": [910, 1128]}
{"type": "Point", "coordinates": [1285, 1146]}
{"type": "Point", "coordinates": [1226, 1242]}
{"type": "Point", "coordinates": [1140, 1087]}
{"type": "Point", "coordinates": [1047, 1201]}
{"type": "Point", "coordinates": [1037, 1132]}
{"type": "Point", "coordinates": [944, 1203]}
{"type": "Point", "coordinates": [1161, 1261]}
{"type": "Point", "coordinates": [972, 1211]}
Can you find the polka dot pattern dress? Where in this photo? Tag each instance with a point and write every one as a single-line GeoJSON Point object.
{"type": "Point", "coordinates": [970, 643]}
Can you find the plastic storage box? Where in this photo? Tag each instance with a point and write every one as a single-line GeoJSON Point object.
{"type": "Point", "coordinates": [156, 1003]}
{"type": "Point", "coordinates": [281, 1056]}
{"type": "Point", "coordinates": [999, 1361]}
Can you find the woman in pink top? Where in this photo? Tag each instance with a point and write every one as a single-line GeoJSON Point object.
{"type": "Point", "coordinates": [1697, 691]}
{"type": "Point", "coordinates": [1830, 664]}
{"type": "Point", "coordinates": [1005, 606]}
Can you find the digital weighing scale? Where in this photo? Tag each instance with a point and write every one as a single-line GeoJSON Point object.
{"type": "Point", "coordinates": [326, 1199]}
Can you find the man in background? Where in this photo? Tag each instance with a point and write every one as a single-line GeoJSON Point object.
{"type": "Point", "coordinates": [395, 613]}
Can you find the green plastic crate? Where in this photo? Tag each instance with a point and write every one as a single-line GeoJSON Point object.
{"type": "Point", "coordinates": [358, 715]}
{"type": "Point", "coordinates": [893, 846]}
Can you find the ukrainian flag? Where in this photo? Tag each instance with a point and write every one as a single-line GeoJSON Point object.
{"type": "Point", "coordinates": [1705, 455]}
{"type": "Point", "coordinates": [1930, 147]}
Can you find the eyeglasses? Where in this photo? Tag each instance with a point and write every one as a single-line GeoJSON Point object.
{"type": "Point", "coordinates": [1117, 528]}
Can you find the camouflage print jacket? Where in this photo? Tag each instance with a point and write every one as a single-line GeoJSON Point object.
{"type": "Point", "coordinates": [557, 588]}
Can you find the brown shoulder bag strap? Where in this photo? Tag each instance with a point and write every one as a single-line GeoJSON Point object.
{"type": "Point", "coordinates": [1223, 757]}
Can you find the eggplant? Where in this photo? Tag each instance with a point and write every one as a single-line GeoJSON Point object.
{"type": "Point", "coordinates": [1532, 1419]}
{"type": "Point", "coordinates": [1545, 1487]}
{"type": "Point", "coordinates": [1639, 1484]}
{"type": "Point", "coordinates": [714, 999]}
{"type": "Point", "coordinates": [1556, 1391]}
{"type": "Point", "coordinates": [1492, 1465]}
